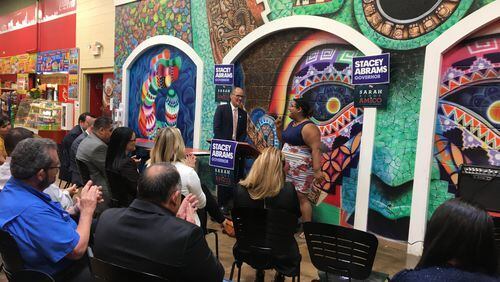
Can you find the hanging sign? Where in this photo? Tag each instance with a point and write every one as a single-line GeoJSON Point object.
{"type": "Point", "coordinates": [222, 93]}
{"type": "Point", "coordinates": [24, 63]}
{"type": "Point", "coordinates": [65, 60]}
{"type": "Point", "coordinates": [22, 83]}
{"type": "Point", "coordinates": [370, 69]}
{"type": "Point", "coordinates": [224, 74]}
{"type": "Point", "coordinates": [371, 96]}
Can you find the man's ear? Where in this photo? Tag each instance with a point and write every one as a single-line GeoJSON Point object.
{"type": "Point", "coordinates": [40, 175]}
{"type": "Point", "coordinates": [172, 201]}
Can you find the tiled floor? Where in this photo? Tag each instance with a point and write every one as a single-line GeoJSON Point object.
{"type": "Point", "coordinates": [391, 257]}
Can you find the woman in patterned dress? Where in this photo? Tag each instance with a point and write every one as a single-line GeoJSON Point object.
{"type": "Point", "coordinates": [301, 146]}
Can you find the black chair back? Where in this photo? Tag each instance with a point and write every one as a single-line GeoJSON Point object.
{"type": "Point", "coordinates": [262, 233]}
{"type": "Point", "coordinates": [84, 171]}
{"type": "Point", "coordinates": [340, 250]}
{"type": "Point", "coordinates": [13, 265]}
{"type": "Point", "coordinates": [11, 257]}
{"type": "Point", "coordinates": [64, 173]}
{"type": "Point", "coordinates": [118, 186]}
{"type": "Point", "coordinates": [106, 271]}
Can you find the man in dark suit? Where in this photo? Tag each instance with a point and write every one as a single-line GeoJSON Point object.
{"type": "Point", "coordinates": [84, 121]}
{"type": "Point", "coordinates": [164, 242]}
{"type": "Point", "coordinates": [230, 123]}
{"type": "Point", "coordinates": [227, 115]}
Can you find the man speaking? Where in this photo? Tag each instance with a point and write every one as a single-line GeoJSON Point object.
{"type": "Point", "coordinates": [230, 123]}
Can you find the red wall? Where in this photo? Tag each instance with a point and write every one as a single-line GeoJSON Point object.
{"type": "Point", "coordinates": [18, 42]}
{"type": "Point", "coordinates": [59, 33]}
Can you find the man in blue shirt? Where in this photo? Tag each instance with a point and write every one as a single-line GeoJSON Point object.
{"type": "Point", "coordinates": [48, 238]}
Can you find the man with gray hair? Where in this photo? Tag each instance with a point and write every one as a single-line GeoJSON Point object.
{"type": "Point", "coordinates": [92, 152]}
{"type": "Point", "coordinates": [48, 238]}
{"type": "Point", "coordinates": [165, 243]}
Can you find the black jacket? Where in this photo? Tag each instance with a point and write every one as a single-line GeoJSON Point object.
{"type": "Point", "coordinates": [223, 123]}
{"type": "Point", "coordinates": [149, 238]}
{"type": "Point", "coordinates": [64, 154]}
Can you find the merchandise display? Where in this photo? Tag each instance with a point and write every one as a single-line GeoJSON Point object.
{"type": "Point", "coordinates": [40, 114]}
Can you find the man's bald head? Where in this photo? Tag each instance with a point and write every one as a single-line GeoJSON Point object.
{"type": "Point", "coordinates": [158, 182]}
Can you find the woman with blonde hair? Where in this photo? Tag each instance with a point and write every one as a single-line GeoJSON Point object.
{"type": "Point", "coordinates": [265, 187]}
{"type": "Point", "coordinates": [169, 147]}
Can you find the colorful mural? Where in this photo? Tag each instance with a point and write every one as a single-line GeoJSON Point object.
{"type": "Point", "coordinates": [468, 123]}
{"type": "Point", "coordinates": [162, 93]}
{"type": "Point", "coordinates": [229, 22]}
{"type": "Point", "coordinates": [137, 21]}
{"type": "Point", "coordinates": [314, 65]}
{"type": "Point", "coordinates": [402, 28]}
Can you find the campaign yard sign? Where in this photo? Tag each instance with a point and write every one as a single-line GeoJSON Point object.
{"type": "Point", "coordinates": [371, 96]}
{"type": "Point", "coordinates": [222, 153]}
{"type": "Point", "coordinates": [222, 93]}
{"type": "Point", "coordinates": [222, 159]}
{"type": "Point", "coordinates": [371, 69]}
{"type": "Point", "coordinates": [224, 74]}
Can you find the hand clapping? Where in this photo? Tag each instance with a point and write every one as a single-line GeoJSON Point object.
{"type": "Point", "coordinates": [188, 208]}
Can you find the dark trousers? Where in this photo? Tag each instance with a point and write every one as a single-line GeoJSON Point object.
{"type": "Point", "coordinates": [225, 193]}
{"type": "Point", "coordinates": [211, 208]}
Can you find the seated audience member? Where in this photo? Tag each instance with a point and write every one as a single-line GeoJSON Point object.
{"type": "Point", "coordinates": [121, 144]}
{"type": "Point", "coordinates": [164, 243]}
{"type": "Point", "coordinates": [92, 152]}
{"type": "Point", "coordinates": [75, 173]}
{"type": "Point", "coordinates": [48, 239]}
{"type": "Point", "coordinates": [63, 196]}
{"type": "Point", "coordinates": [458, 246]}
{"type": "Point", "coordinates": [11, 139]}
{"type": "Point", "coordinates": [169, 147]}
{"type": "Point", "coordinates": [84, 121]}
{"type": "Point", "coordinates": [265, 187]}
{"type": "Point", "coordinates": [5, 127]}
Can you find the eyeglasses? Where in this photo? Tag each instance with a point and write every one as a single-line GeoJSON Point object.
{"type": "Point", "coordinates": [52, 167]}
{"type": "Point", "coordinates": [132, 140]}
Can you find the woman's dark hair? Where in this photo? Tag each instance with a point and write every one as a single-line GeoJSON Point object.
{"type": "Point", "coordinates": [304, 105]}
{"type": "Point", "coordinates": [116, 154]}
{"type": "Point", "coordinates": [4, 120]}
{"type": "Point", "coordinates": [460, 235]}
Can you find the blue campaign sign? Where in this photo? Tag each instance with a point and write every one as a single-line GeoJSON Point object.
{"type": "Point", "coordinates": [224, 74]}
{"type": "Point", "coordinates": [371, 69]}
{"type": "Point", "coordinates": [222, 153]}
